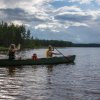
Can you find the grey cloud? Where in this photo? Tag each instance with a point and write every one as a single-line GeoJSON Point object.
{"type": "Point", "coordinates": [73, 17]}
{"type": "Point", "coordinates": [18, 14]}
{"type": "Point", "coordinates": [11, 2]}
{"type": "Point", "coordinates": [98, 20]}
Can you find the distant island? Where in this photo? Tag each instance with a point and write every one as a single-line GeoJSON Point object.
{"type": "Point", "coordinates": [85, 45]}
{"type": "Point", "coordinates": [10, 33]}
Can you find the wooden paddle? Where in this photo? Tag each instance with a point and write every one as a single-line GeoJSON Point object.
{"type": "Point", "coordinates": [19, 48]}
{"type": "Point", "coordinates": [59, 52]}
{"type": "Point", "coordinates": [62, 54]}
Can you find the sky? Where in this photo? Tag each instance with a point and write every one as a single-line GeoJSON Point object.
{"type": "Point", "coordinates": [77, 21]}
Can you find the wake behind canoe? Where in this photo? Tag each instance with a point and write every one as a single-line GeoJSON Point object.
{"type": "Point", "coordinates": [41, 61]}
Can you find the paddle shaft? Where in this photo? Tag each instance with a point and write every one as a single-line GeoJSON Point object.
{"type": "Point", "coordinates": [62, 54]}
{"type": "Point", "coordinates": [59, 51]}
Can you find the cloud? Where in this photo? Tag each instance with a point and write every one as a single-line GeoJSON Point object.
{"type": "Point", "coordinates": [97, 1]}
{"type": "Point", "coordinates": [64, 17]}
{"type": "Point", "coordinates": [82, 1]}
{"type": "Point", "coordinates": [45, 16]}
{"type": "Point", "coordinates": [30, 6]}
{"type": "Point", "coordinates": [54, 26]}
{"type": "Point", "coordinates": [74, 16]}
{"type": "Point", "coordinates": [14, 13]}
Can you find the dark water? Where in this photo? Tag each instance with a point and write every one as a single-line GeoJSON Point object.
{"type": "Point", "coordinates": [80, 81]}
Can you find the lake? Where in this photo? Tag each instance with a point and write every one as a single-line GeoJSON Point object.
{"type": "Point", "coordinates": [79, 81]}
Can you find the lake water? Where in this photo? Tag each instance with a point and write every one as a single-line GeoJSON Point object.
{"type": "Point", "coordinates": [79, 81]}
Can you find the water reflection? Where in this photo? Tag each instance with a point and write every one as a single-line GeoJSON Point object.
{"type": "Point", "coordinates": [79, 81]}
{"type": "Point", "coordinates": [34, 67]}
{"type": "Point", "coordinates": [49, 68]}
{"type": "Point", "coordinates": [11, 70]}
{"type": "Point", "coordinates": [49, 74]}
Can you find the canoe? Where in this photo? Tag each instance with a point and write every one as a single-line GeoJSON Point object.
{"type": "Point", "coordinates": [41, 61]}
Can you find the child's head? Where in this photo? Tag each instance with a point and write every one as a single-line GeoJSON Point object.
{"type": "Point", "coordinates": [34, 54]}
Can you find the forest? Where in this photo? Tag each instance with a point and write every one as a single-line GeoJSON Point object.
{"type": "Point", "coordinates": [10, 33]}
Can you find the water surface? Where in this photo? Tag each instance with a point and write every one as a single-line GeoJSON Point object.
{"type": "Point", "coordinates": [79, 81]}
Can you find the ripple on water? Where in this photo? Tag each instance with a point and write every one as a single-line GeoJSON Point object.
{"type": "Point", "coordinates": [80, 81]}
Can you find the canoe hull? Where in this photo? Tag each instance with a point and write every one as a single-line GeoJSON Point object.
{"type": "Point", "coordinates": [41, 61]}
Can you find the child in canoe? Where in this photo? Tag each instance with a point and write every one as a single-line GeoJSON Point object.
{"type": "Point", "coordinates": [34, 57]}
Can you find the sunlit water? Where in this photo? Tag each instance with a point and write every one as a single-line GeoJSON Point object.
{"type": "Point", "coordinates": [79, 81]}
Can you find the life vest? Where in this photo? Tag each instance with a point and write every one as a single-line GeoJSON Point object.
{"type": "Point", "coordinates": [34, 57]}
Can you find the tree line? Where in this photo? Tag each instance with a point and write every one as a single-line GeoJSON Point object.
{"type": "Point", "coordinates": [10, 33]}
{"type": "Point", "coordinates": [86, 45]}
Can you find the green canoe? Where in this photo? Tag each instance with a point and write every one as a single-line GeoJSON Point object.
{"type": "Point", "coordinates": [41, 61]}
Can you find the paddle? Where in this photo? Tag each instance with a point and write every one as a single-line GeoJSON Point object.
{"type": "Point", "coordinates": [19, 48]}
{"type": "Point", "coordinates": [61, 54]}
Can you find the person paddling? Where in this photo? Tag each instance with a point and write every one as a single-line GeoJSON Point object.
{"type": "Point", "coordinates": [50, 53]}
{"type": "Point", "coordinates": [12, 50]}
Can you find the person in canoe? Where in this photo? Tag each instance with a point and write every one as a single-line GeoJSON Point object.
{"type": "Point", "coordinates": [34, 57]}
{"type": "Point", "coordinates": [12, 50]}
{"type": "Point", "coordinates": [50, 53]}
